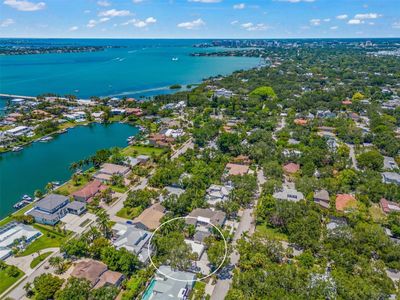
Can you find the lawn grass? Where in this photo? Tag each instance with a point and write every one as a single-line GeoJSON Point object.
{"type": "Point", "coordinates": [141, 150]}
{"type": "Point", "coordinates": [69, 187]}
{"type": "Point", "coordinates": [6, 281]}
{"type": "Point", "coordinates": [20, 212]}
{"type": "Point", "coordinates": [270, 233]}
{"type": "Point", "coordinates": [198, 290]}
{"type": "Point", "coordinates": [49, 239]}
{"type": "Point", "coordinates": [129, 213]}
{"type": "Point", "coordinates": [37, 260]}
{"type": "Point", "coordinates": [376, 213]}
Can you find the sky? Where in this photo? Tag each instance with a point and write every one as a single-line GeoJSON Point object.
{"type": "Point", "coordinates": [200, 18]}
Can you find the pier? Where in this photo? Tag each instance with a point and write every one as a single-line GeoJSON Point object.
{"type": "Point", "coordinates": [17, 96]}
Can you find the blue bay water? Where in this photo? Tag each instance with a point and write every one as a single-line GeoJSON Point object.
{"type": "Point", "coordinates": [140, 67]}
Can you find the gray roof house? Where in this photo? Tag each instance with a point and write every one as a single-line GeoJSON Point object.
{"type": "Point", "coordinates": [132, 239]}
{"type": "Point", "coordinates": [201, 218]}
{"type": "Point", "coordinates": [389, 163]}
{"type": "Point", "coordinates": [288, 194]}
{"type": "Point", "coordinates": [321, 198]}
{"type": "Point", "coordinates": [52, 208]}
{"type": "Point", "coordinates": [166, 288]}
{"type": "Point", "coordinates": [391, 177]}
{"type": "Point", "coordinates": [217, 193]}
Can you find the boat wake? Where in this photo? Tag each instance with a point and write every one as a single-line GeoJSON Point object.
{"type": "Point", "coordinates": [139, 91]}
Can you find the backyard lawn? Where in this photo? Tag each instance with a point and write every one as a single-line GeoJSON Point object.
{"type": "Point", "coordinates": [270, 233]}
{"type": "Point", "coordinates": [50, 239]}
{"type": "Point", "coordinates": [141, 150]}
{"type": "Point", "coordinates": [6, 281]}
{"type": "Point", "coordinates": [129, 213]}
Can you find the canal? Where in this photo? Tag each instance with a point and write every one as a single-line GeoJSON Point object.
{"type": "Point", "coordinates": [32, 168]}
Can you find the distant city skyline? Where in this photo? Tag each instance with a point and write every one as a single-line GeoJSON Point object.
{"type": "Point", "coordinates": [200, 19]}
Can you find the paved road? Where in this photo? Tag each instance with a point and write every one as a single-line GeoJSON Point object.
{"type": "Point", "coordinates": [188, 145]}
{"type": "Point", "coordinates": [352, 155]}
{"type": "Point", "coordinates": [247, 224]}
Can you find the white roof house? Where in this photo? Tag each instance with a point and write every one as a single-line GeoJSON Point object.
{"type": "Point", "coordinates": [217, 193]}
{"type": "Point", "coordinates": [196, 247]}
{"type": "Point", "coordinates": [391, 177]}
{"type": "Point", "coordinates": [18, 131]}
{"type": "Point", "coordinates": [288, 194]}
{"type": "Point", "coordinates": [132, 239]}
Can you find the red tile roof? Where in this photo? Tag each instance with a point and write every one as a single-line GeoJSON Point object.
{"type": "Point", "coordinates": [343, 201]}
{"type": "Point", "coordinates": [90, 190]}
{"type": "Point", "coordinates": [291, 168]}
{"type": "Point", "coordinates": [389, 206]}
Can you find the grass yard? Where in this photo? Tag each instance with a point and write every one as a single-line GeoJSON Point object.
{"type": "Point", "coordinates": [270, 233]}
{"type": "Point", "coordinates": [141, 150]}
{"type": "Point", "coordinates": [198, 290]}
{"type": "Point", "coordinates": [37, 260]}
{"type": "Point", "coordinates": [69, 187]}
{"type": "Point", "coordinates": [50, 239]}
{"type": "Point", "coordinates": [127, 213]}
{"type": "Point", "coordinates": [376, 213]}
{"type": "Point", "coordinates": [6, 281]}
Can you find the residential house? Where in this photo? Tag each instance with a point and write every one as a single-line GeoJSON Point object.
{"type": "Point", "coordinates": [15, 232]}
{"type": "Point", "coordinates": [18, 131]}
{"type": "Point", "coordinates": [389, 163]}
{"type": "Point", "coordinates": [321, 198]}
{"type": "Point", "coordinates": [50, 209]}
{"type": "Point", "coordinates": [223, 93]}
{"type": "Point", "coordinates": [170, 284]}
{"type": "Point", "coordinates": [301, 122]}
{"type": "Point", "coordinates": [345, 202]}
{"type": "Point", "coordinates": [76, 208]}
{"type": "Point", "coordinates": [389, 206]}
{"type": "Point", "coordinates": [391, 177]}
{"type": "Point", "coordinates": [218, 193]}
{"type": "Point", "coordinates": [202, 218]}
{"type": "Point", "coordinates": [107, 170]}
{"type": "Point", "coordinates": [134, 111]}
{"type": "Point", "coordinates": [97, 274]}
{"type": "Point", "coordinates": [150, 218]}
{"type": "Point", "coordinates": [288, 194]}
{"type": "Point", "coordinates": [236, 169]}
{"type": "Point", "coordinates": [90, 190]}
{"type": "Point", "coordinates": [160, 140]}
{"type": "Point", "coordinates": [133, 239]}
{"type": "Point", "coordinates": [291, 168]}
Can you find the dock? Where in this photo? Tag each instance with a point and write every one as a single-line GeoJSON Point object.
{"type": "Point", "coordinates": [17, 96]}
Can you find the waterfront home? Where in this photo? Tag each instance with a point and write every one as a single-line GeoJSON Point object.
{"type": "Point", "coordinates": [15, 233]}
{"type": "Point", "coordinates": [90, 190]}
{"type": "Point", "coordinates": [133, 239]}
{"type": "Point", "coordinates": [107, 170]}
{"type": "Point", "coordinates": [170, 284]}
{"type": "Point", "coordinates": [150, 218]}
{"type": "Point", "coordinates": [79, 116]}
{"type": "Point", "coordinates": [389, 163]}
{"type": "Point", "coordinates": [18, 131]}
{"type": "Point", "coordinates": [134, 111]}
{"type": "Point", "coordinates": [117, 111]}
{"type": "Point", "coordinates": [287, 194]}
{"type": "Point", "coordinates": [217, 193]}
{"type": "Point", "coordinates": [345, 202]}
{"type": "Point", "coordinates": [236, 169]}
{"type": "Point", "coordinates": [175, 133]}
{"type": "Point", "coordinates": [223, 93]}
{"type": "Point", "coordinates": [390, 177]}
{"type": "Point", "coordinates": [97, 274]}
{"type": "Point", "coordinates": [321, 198]}
{"type": "Point", "coordinates": [50, 209]}
{"type": "Point", "coordinates": [389, 206]}
{"type": "Point", "coordinates": [160, 140]}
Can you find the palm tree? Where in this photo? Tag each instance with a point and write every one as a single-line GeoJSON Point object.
{"type": "Point", "coordinates": [75, 179]}
{"type": "Point", "coordinates": [103, 220]}
{"type": "Point", "coordinates": [49, 187]}
{"type": "Point", "coordinates": [58, 263]}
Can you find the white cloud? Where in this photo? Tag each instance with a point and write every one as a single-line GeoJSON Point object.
{"type": "Point", "coordinates": [234, 22]}
{"type": "Point", "coordinates": [7, 22]}
{"type": "Point", "coordinates": [206, 1]}
{"type": "Point", "coordinates": [102, 20]}
{"type": "Point", "coordinates": [137, 1]}
{"type": "Point", "coordinates": [239, 6]}
{"type": "Point", "coordinates": [342, 17]}
{"type": "Point", "coordinates": [114, 13]}
{"type": "Point", "coordinates": [396, 25]}
{"type": "Point", "coordinates": [355, 22]}
{"type": "Point", "coordinates": [87, 11]}
{"type": "Point", "coordinates": [92, 23]}
{"type": "Point", "coordinates": [367, 16]}
{"type": "Point", "coordinates": [73, 28]}
{"type": "Point", "coordinates": [315, 22]}
{"type": "Point", "coordinates": [195, 24]}
{"type": "Point", "coordinates": [327, 20]}
{"type": "Point", "coordinates": [141, 23]}
{"type": "Point", "coordinates": [23, 5]}
{"type": "Point", "coordinates": [103, 3]}
{"type": "Point", "coordinates": [254, 27]}
{"type": "Point", "coordinates": [334, 27]}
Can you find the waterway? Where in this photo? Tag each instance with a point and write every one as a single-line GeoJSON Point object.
{"type": "Point", "coordinates": [32, 168]}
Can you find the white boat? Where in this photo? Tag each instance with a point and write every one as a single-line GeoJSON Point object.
{"type": "Point", "coordinates": [26, 197]}
{"type": "Point", "coordinates": [46, 139]}
{"type": "Point", "coordinates": [175, 59]}
{"type": "Point", "coordinates": [16, 149]}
